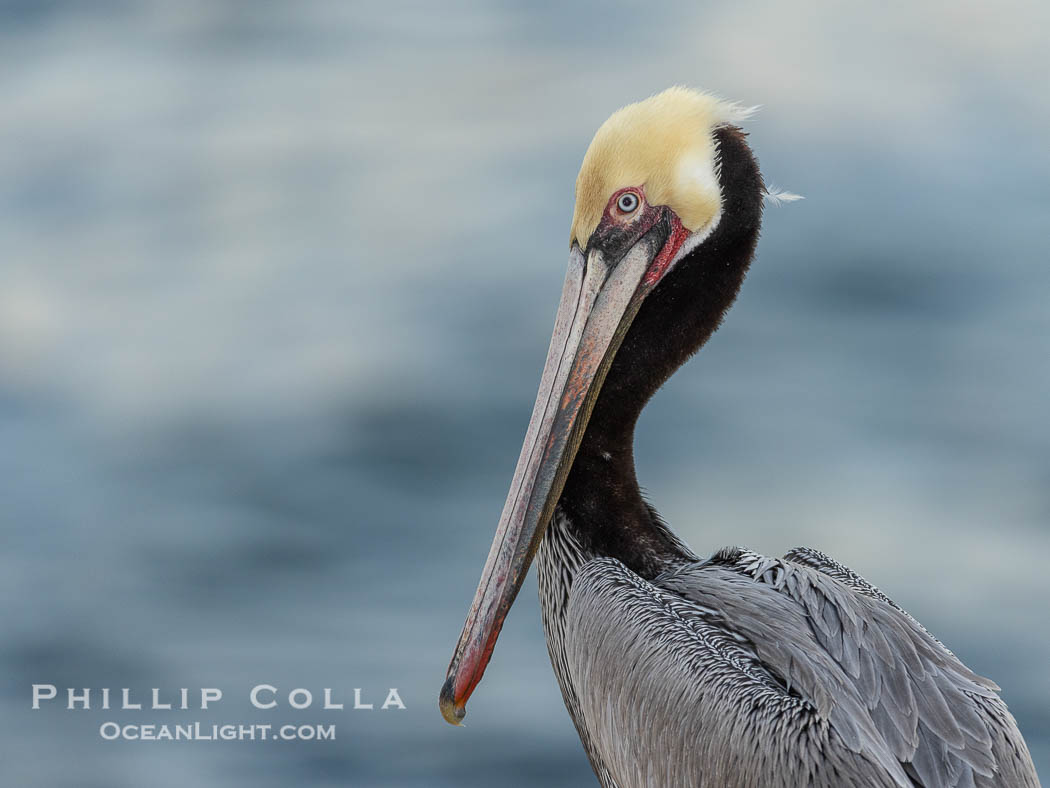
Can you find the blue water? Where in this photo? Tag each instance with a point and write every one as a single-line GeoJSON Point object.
{"type": "Point", "coordinates": [276, 282]}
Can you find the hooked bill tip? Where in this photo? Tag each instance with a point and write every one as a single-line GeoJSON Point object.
{"type": "Point", "coordinates": [452, 713]}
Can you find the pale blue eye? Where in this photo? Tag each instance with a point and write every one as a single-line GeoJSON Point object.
{"type": "Point", "coordinates": [628, 202]}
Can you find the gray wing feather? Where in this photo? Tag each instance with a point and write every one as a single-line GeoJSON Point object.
{"type": "Point", "coordinates": [745, 670]}
{"type": "Point", "coordinates": [670, 696]}
{"type": "Point", "coordinates": [984, 719]}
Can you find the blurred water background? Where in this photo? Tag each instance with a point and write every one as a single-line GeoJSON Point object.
{"type": "Point", "coordinates": [276, 284]}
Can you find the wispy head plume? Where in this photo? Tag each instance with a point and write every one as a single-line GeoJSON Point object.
{"type": "Point", "coordinates": [777, 196]}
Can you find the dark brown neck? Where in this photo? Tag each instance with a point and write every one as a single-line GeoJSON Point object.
{"type": "Point", "coordinates": [601, 498]}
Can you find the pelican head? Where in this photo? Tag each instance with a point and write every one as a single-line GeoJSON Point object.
{"type": "Point", "coordinates": [661, 152]}
{"type": "Point", "coordinates": [649, 195]}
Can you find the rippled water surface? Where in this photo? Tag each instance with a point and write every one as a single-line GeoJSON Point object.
{"type": "Point", "coordinates": [276, 282]}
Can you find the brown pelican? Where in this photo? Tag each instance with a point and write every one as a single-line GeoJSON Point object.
{"type": "Point", "coordinates": [737, 670]}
